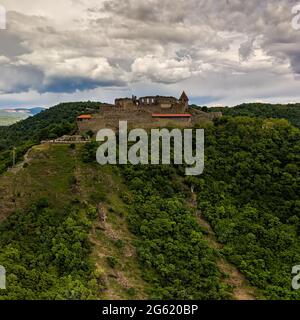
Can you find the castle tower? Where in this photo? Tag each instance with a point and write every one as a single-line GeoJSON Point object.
{"type": "Point", "coordinates": [184, 100]}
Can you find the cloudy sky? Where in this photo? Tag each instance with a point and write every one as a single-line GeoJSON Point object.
{"type": "Point", "coordinates": [222, 52]}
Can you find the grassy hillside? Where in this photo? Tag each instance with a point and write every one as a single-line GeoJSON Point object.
{"type": "Point", "coordinates": [52, 241]}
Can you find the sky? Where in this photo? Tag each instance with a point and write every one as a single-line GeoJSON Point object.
{"type": "Point", "coordinates": [221, 52]}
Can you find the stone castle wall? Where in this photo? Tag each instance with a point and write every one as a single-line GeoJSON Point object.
{"type": "Point", "coordinates": [141, 117]}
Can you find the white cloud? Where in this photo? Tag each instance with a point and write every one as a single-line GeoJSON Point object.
{"type": "Point", "coordinates": [4, 60]}
{"type": "Point", "coordinates": [227, 50]}
{"type": "Point", "coordinates": [161, 70]}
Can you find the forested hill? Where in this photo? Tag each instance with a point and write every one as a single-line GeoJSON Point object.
{"type": "Point", "coordinates": [49, 124]}
{"type": "Point", "coordinates": [290, 112]}
{"type": "Point", "coordinates": [55, 247]}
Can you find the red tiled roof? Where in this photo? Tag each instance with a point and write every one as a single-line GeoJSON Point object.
{"type": "Point", "coordinates": [171, 115]}
{"type": "Point", "coordinates": [85, 116]}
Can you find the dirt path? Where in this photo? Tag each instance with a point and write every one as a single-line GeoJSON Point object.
{"type": "Point", "coordinates": [19, 166]}
{"type": "Point", "coordinates": [241, 288]}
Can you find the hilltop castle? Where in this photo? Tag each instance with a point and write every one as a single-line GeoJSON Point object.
{"type": "Point", "coordinates": [145, 112]}
{"type": "Point", "coordinates": [159, 103]}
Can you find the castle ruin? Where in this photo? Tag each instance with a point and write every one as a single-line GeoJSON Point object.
{"type": "Point", "coordinates": [145, 112]}
{"type": "Point", "coordinates": [159, 103]}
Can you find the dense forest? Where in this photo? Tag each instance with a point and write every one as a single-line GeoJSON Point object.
{"type": "Point", "coordinates": [249, 192]}
{"type": "Point", "coordinates": [174, 256]}
{"type": "Point", "coordinates": [46, 254]}
{"type": "Point", "coordinates": [291, 112]}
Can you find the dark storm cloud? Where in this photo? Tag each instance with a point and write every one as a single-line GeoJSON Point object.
{"type": "Point", "coordinates": [16, 79]}
{"type": "Point", "coordinates": [137, 10]}
{"type": "Point", "coordinates": [69, 85]}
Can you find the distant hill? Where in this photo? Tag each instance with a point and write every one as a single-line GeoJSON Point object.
{"type": "Point", "coordinates": [33, 111]}
{"type": "Point", "coordinates": [11, 116]}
